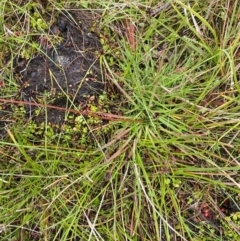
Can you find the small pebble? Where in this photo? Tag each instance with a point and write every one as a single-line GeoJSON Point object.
{"type": "Point", "coordinates": [54, 30]}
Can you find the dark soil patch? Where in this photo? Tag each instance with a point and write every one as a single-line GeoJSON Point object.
{"type": "Point", "coordinates": [69, 69]}
{"type": "Point", "coordinates": [66, 70]}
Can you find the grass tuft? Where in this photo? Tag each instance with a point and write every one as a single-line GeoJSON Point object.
{"type": "Point", "coordinates": [167, 168]}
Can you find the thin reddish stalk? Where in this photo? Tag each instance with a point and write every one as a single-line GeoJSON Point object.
{"type": "Point", "coordinates": [130, 32]}
{"type": "Point", "coordinates": [100, 115]}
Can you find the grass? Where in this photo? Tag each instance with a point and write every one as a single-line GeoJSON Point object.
{"type": "Point", "coordinates": [170, 170]}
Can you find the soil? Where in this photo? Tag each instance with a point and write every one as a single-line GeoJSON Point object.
{"type": "Point", "coordinates": [72, 66]}
{"type": "Point", "coordinates": [66, 70]}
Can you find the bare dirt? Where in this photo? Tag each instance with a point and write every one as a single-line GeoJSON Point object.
{"type": "Point", "coordinates": [71, 66]}
{"type": "Point", "coordinates": [66, 70]}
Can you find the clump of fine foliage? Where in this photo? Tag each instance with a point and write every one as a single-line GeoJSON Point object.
{"type": "Point", "coordinates": [168, 168]}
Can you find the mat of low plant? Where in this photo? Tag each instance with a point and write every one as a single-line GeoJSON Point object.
{"type": "Point", "coordinates": [155, 156]}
